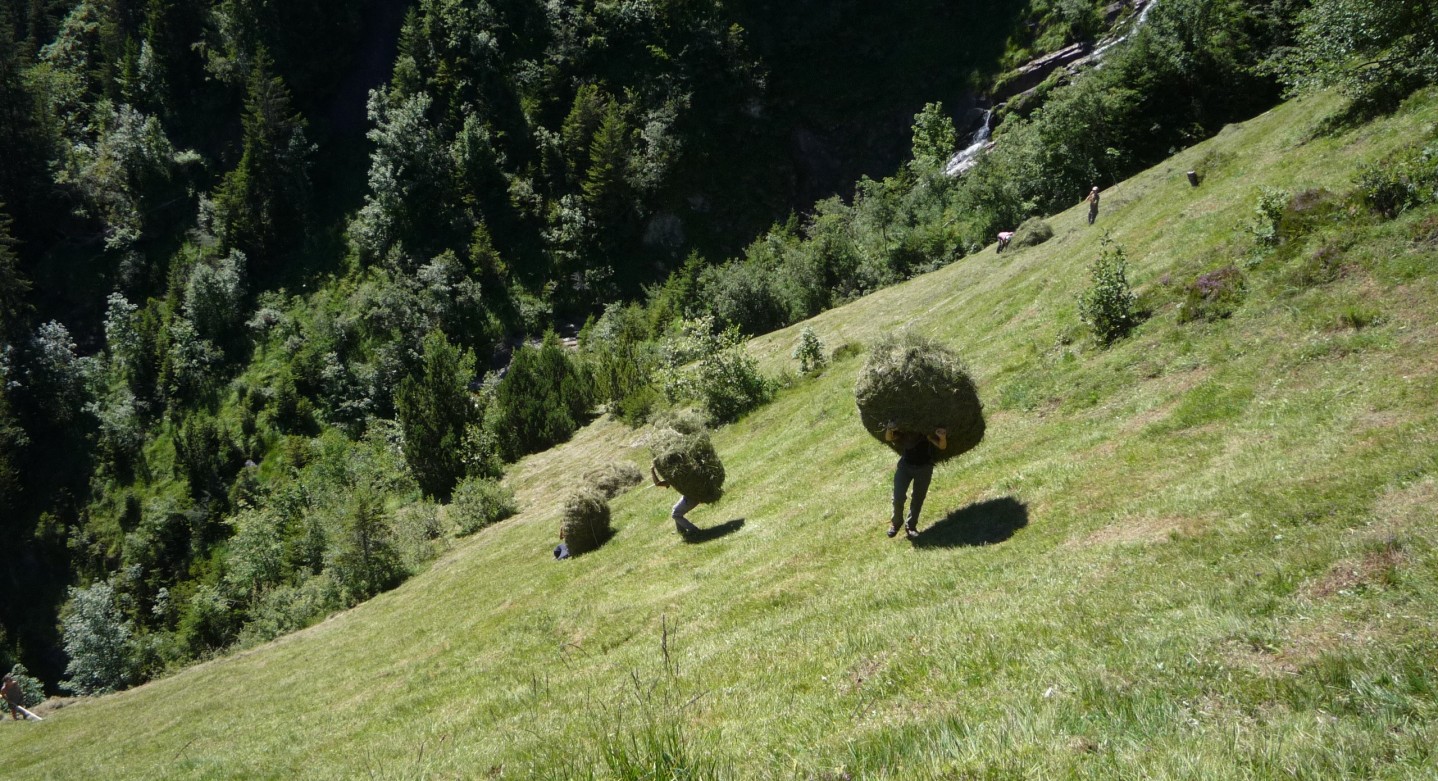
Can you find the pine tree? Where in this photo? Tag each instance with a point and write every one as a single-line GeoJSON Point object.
{"type": "Point", "coordinates": [433, 408]}
{"type": "Point", "coordinates": [261, 205]}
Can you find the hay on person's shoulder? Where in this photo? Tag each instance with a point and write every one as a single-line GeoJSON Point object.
{"type": "Point", "coordinates": [689, 463]}
{"type": "Point", "coordinates": [919, 385]}
{"type": "Point", "coordinates": [682, 421]}
{"type": "Point", "coordinates": [584, 525]}
{"type": "Point", "coordinates": [614, 478]}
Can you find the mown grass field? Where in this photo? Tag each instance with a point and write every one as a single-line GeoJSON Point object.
{"type": "Point", "coordinates": [1206, 552]}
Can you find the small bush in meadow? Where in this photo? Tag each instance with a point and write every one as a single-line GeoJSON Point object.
{"type": "Point", "coordinates": [480, 501]}
{"type": "Point", "coordinates": [1272, 203]}
{"type": "Point", "coordinates": [1109, 307]}
{"type": "Point", "coordinates": [1402, 182]}
{"type": "Point", "coordinates": [809, 352]}
{"type": "Point", "coordinates": [1213, 295]}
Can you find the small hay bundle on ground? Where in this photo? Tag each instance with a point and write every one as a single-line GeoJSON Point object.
{"type": "Point", "coordinates": [919, 385]}
{"type": "Point", "coordinates": [585, 523]}
{"type": "Point", "coordinates": [688, 462]}
{"type": "Point", "coordinates": [614, 478]}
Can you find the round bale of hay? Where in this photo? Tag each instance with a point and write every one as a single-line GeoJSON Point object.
{"type": "Point", "coordinates": [919, 385]}
{"type": "Point", "coordinates": [689, 464]}
{"type": "Point", "coordinates": [584, 525]}
{"type": "Point", "coordinates": [614, 478]}
{"type": "Point", "coordinates": [1031, 233]}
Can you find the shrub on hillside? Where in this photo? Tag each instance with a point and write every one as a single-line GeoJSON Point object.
{"type": "Point", "coordinates": [730, 384]}
{"type": "Point", "coordinates": [1402, 182]}
{"type": "Point", "coordinates": [1272, 203]}
{"type": "Point", "coordinates": [540, 402]}
{"type": "Point", "coordinates": [1031, 233]}
{"type": "Point", "coordinates": [584, 525]}
{"type": "Point", "coordinates": [809, 352]}
{"type": "Point", "coordinates": [434, 407]}
{"type": "Point", "coordinates": [480, 501]}
{"type": "Point", "coordinates": [1213, 295]}
{"type": "Point", "coordinates": [1109, 307]}
{"type": "Point", "coordinates": [614, 478]}
{"type": "Point", "coordinates": [98, 640]}
{"type": "Point", "coordinates": [917, 385]}
{"type": "Point", "coordinates": [713, 369]}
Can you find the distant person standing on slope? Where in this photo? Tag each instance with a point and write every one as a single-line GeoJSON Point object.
{"type": "Point", "coordinates": [915, 466]}
{"type": "Point", "coordinates": [1092, 201]}
{"type": "Point", "coordinates": [1004, 238]}
{"type": "Point", "coordinates": [681, 507]}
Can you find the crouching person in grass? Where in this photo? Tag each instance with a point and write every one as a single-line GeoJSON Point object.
{"type": "Point", "coordinates": [681, 507]}
{"type": "Point", "coordinates": [915, 467]}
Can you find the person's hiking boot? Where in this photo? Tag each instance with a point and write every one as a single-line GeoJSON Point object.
{"type": "Point", "coordinates": [684, 527]}
{"type": "Point", "coordinates": [893, 529]}
{"type": "Point", "coordinates": [912, 532]}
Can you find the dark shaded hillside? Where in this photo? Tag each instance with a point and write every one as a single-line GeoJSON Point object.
{"type": "Point", "coordinates": [846, 79]}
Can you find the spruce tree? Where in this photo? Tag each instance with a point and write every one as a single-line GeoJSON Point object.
{"type": "Point", "coordinates": [434, 407]}
{"type": "Point", "coordinates": [262, 203]}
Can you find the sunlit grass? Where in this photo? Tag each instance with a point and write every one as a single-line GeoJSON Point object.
{"type": "Point", "coordinates": [1206, 552]}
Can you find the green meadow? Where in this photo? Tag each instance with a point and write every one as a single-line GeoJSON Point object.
{"type": "Point", "coordinates": [1207, 551]}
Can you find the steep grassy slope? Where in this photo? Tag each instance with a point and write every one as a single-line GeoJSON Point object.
{"type": "Point", "coordinates": [1206, 552]}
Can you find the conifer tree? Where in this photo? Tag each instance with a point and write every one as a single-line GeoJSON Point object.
{"type": "Point", "coordinates": [261, 204]}
{"type": "Point", "coordinates": [433, 408]}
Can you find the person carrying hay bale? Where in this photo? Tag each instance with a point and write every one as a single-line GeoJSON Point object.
{"type": "Point", "coordinates": [686, 462]}
{"type": "Point", "coordinates": [584, 525]}
{"type": "Point", "coordinates": [681, 524]}
{"type": "Point", "coordinates": [916, 467]}
{"type": "Point", "coordinates": [916, 396]}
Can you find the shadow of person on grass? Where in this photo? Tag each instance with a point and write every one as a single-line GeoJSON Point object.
{"type": "Point", "coordinates": [714, 532]}
{"type": "Point", "coordinates": [984, 523]}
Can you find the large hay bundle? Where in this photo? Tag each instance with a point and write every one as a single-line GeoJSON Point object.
{"type": "Point", "coordinates": [688, 462]}
{"type": "Point", "coordinates": [585, 523]}
{"type": "Point", "coordinates": [919, 385]}
{"type": "Point", "coordinates": [614, 478]}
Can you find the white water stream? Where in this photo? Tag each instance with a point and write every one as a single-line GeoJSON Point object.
{"type": "Point", "coordinates": [965, 158]}
{"type": "Point", "coordinates": [968, 157]}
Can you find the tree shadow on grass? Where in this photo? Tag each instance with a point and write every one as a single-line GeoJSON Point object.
{"type": "Point", "coordinates": [984, 523]}
{"type": "Point", "coordinates": [714, 532]}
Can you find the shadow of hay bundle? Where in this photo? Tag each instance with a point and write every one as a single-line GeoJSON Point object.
{"type": "Point", "coordinates": [919, 385]}
{"type": "Point", "coordinates": [689, 463]}
{"type": "Point", "coordinates": [614, 478]}
{"type": "Point", "coordinates": [584, 525]}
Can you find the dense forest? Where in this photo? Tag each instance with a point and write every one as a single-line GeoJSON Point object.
{"type": "Point", "coordinates": [282, 284]}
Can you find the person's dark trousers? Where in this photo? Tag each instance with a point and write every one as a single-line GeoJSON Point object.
{"type": "Point", "coordinates": [904, 474]}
